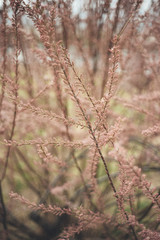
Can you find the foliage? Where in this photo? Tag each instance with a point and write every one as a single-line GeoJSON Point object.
{"type": "Point", "coordinates": [79, 120]}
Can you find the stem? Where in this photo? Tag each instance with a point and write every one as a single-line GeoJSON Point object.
{"type": "Point", "coordinates": [4, 56]}
{"type": "Point", "coordinates": [4, 215]}
{"type": "Point", "coordinates": [97, 146]}
{"type": "Point", "coordinates": [16, 95]}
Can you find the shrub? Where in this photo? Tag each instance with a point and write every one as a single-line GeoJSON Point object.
{"type": "Point", "coordinates": [79, 111]}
